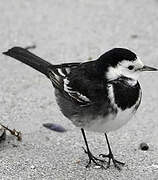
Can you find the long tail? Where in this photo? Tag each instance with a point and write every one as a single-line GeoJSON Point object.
{"type": "Point", "coordinates": [29, 58]}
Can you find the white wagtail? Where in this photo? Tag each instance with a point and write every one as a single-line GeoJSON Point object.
{"type": "Point", "coordinates": [100, 95]}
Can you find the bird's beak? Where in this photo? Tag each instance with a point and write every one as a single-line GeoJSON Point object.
{"type": "Point", "coordinates": [148, 68]}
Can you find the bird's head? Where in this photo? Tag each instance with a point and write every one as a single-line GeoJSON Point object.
{"type": "Point", "coordinates": [123, 62]}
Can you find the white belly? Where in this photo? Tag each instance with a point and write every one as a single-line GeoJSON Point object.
{"type": "Point", "coordinates": [111, 122]}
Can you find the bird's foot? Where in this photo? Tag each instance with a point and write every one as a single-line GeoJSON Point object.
{"type": "Point", "coordinates": [116, 163]}
{"type": "Point", "coordinates": [93, 159]}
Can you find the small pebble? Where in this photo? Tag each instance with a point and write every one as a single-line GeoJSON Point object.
{"type": "Point", "coordinates": [144, 146]}
{"type": "Point", "coordinates": [54, 127]}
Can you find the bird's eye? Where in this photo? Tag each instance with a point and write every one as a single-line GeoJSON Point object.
{"type": "Point", "coordinates": [131, 67]}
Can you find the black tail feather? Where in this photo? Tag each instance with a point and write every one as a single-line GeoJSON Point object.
{"type": "Point", "coordinates": [29, 58]}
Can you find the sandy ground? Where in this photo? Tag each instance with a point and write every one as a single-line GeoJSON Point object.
{"type": "Point", "coordinates": [65, 31]}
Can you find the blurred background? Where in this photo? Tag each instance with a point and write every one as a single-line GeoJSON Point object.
{"type": "Point", "coordinates": [64, 31]}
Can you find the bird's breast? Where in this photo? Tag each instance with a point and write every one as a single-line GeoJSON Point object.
{"type": "Point", "coordinates": [123, 95]}
{"type": "Point", "coordinates": [125, 100]}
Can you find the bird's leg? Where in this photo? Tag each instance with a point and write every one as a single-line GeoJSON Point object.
{"type": "Point", "coordinates": [110, 156]}
{"type": "Point", "coordinates": [91, 157]}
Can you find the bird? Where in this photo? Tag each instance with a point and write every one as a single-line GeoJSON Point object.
{"type": "Point", "coordinates": [100, 95]}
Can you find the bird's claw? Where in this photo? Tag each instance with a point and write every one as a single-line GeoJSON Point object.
{"type": "Point", "coordinates": [93, 159]}
{"type": "Point", "coordinates": [115, 162]}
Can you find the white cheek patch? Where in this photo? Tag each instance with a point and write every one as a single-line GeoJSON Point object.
{"type": "Point", "coordinates": [136, 63]}
{"type": "Point", "coordinates": [122, 70]}
{"type": "Point", "coordinates": [113, 73]}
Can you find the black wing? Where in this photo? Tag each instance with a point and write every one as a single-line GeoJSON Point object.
{"type": "Point", "coordinates": [79, 81]}
{"type": "Point", "coordinates": [59, 74]}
